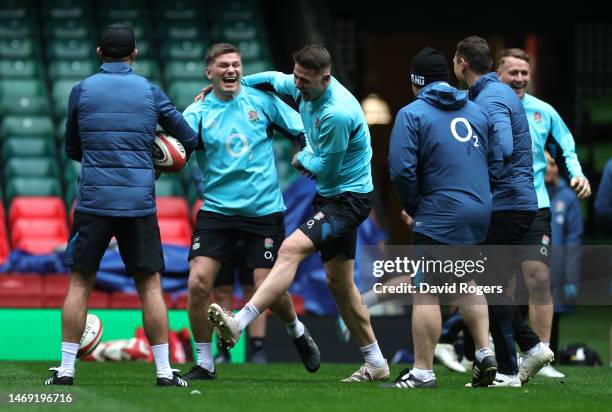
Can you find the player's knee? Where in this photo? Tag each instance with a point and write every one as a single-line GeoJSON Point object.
{"type": "Point", "coordinates": [538, 278]}
{"type": "Point", "coordinates": [336, 286]}
{"type": "Point", "coordinates": [289, 250]}
{"type": "Point", "coordinates": [199, 284]}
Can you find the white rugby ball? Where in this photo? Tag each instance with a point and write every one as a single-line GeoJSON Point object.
{"type": "Point", "coordinates": [168, 153]}
{"type": "Point", "coordinates": [91, 336]}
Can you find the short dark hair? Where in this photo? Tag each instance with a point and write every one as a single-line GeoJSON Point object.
{"type": "Point", "coordinates": [217, 50]}
{"type": "Point", "coordinates": [116, 42]}
{"type": "Point", "coordinates": [476, 52]}
{"type": "Point", "coordinates": [514, 52]}
{"type": "Point", "coordinates": [313, 57]}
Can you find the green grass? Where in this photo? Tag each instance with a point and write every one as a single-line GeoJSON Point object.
{"type": "Point", "coordinates": [117, 387]}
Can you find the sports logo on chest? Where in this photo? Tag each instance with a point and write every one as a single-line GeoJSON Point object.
{"type": "Point", "coordinates": [537, 116]}
{"type": "Point", "coordinates": [317, 123]}
{"type": "Point", "coordinates": [253, 116]}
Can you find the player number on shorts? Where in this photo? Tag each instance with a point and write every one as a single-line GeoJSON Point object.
{"type": "Point", "coordinates": [468, 132]}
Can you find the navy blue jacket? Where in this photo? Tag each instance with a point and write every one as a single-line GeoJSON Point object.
{"type": "Point", "coordinates": [513, 189]}
{"type": "Point", "coordinates": [438, 161]}
{"type": "Point", "coordinates": [112, 116]}
{"type": "Point", "coordinates": [567, 229]}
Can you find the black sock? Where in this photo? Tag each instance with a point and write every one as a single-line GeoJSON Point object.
{"type": "Point", "coordinates": [257, 344]}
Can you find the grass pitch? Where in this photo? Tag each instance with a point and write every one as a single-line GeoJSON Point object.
{"type": "Point", "coordinates": [117, 387]}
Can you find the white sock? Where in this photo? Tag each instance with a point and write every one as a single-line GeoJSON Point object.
{"type": "Point", "coordinates": [69, 352]}
{"type": "Point", "coordinates": [295, 329]}
{"type": "Point", "coordinates": [535, 349]}
{"type": "Point", "coordinates": [205, 358]}
{"type": "Point", "coordinates": [373, 355]}
{"type": "Point", "coordinates": [547, 344]}
{"type": "Point", "coordinates": [246, 315]}
{"type": "Point", "coordinates": [423, 374]}
{"type": "Point", "coordinates": [480, 354]}
{"type": "Point", "coordinates": [162, 360]}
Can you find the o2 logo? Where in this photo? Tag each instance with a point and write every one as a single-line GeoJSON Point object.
{"type": "Point", "coordinates": [234, 148]}
{"type": "Point", "coordinates": [469, 135]}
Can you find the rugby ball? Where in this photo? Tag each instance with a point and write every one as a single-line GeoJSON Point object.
{"type": "Point", "coordinates": [91, 336]}
{"type": "Point", "coordinates": [168, 153]}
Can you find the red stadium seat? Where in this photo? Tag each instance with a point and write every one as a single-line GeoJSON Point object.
{"type": "Point", "coordinates": [175, 231]}
{"type": "Point", "coordinates": [123, 300]}
{"type": "Point", "coordinates": [5, 249]}
{"type": "Point", "coordinates": [53, 228]}
{"type": "Point", "coordinates": [181, 302]}
{"type": "Point", "coordinates": [38, 207]}
{"type": "Point", "coordinates": [54, 287]}
{"type": "Point", "coordinates": [21, 291]}
{"type": "Point", "coordinates": [98, 300]}
{"type": "Point", "coordinates": [172, 207]}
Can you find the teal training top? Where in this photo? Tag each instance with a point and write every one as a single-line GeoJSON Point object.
{"type": "Point", "coordinates": [237, 162]}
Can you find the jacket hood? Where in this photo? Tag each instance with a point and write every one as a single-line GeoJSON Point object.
{"type": "Point", "coordinates": [443, 96]}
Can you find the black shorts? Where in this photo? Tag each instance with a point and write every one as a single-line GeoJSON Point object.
{"type": "Point", "coordinates": [538, 238]}
{"type": "Point", "coordinates": [333, 227]}
{"type": "Point", "coordinates": [235, 267]}
{"type": "Point", "coordinates": [506, 228]}
{"type": "Point", "coordinates": [425, 248]}
{"type": "Point", "coordinates": [138, 239]}
{"type": "Point", "coordinates": [216, 235]}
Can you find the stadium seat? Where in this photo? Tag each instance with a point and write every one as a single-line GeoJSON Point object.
{"type": "Point", "coordinates": [67, 9]}
{"type": "Point", "coordinates": [98, 299]}
{"type": "Point", "coordinates": [32, 186]}
{"type": "Point", "coordinates": [183, 92]}
{"type": "Point", "coordinates": [71, 49]}
{"type": "Point", "coordinates": [17, 88]}
{"type": "Point", "coordinates": [72, 170]}
{"type": "Point", "coordinates": [16, 27]}
{"type": "Point", "coordinates": [31, 167]}
{"type": "Point", "coordinates": [71, 69]}
{"type": "Point", "coordinates": [175, 231]}
{"type": "Point", "coordinates": [21, 291]}
{"type": "Point", "coordinates": [123, 9]}
{"type": "Point", "coordinates": [39, 229]}
{"type": "Point", "coordinates": [181, 301]}
{"type": "Point", "coordinates": [148, 68]}
{"type": "Point", "coordinates": [27, 147]}
{"type": "Point", "coordinates": [26, 126]}
{"type": "Point", "coordinates": [183, 30]}
{"type": "Point", "coordinates": [168, 10]}
{"type": "Point", "coordinates": [123, 300]}
{"type": "Point", "coordinates": [17, 48]}
{"type": "Point", "coordinates": [70, 28]}
{"type": "Point", "coordinates": [168, 185]}
{"type": "Point", "coordinates": [24, 105]}
{"type": "Point", "coordinates": [54, 290]}
{"type": "Point", "coordinates": [36, 208]}
{"type": "Point", "coordinates": [5, 249]}
{"type": "Point", "coordinates": [172, 207]}
{"type": "Point", "coordinates": [19, 69]}
{"type": "Point", "coordinates": [183, 50]}
{"type": "Point", "coordinates": [184, 70]}
{"type": "Point", "coordinates": [60, 91]}
{"type": "Point", "coordinates": [256, 66]}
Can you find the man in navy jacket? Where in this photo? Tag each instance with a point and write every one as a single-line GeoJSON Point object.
{"type": "Point", "coordinates": [439, 164]}
{"type": "Point", "coordinates": [514, 207]}
{"type": "Point", "coordinates": [112, 116]}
